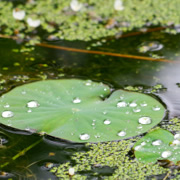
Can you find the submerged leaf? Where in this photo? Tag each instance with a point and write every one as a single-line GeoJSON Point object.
{"type": "Point", "coordinates": [79, 110]}
{"type": "Point", "coordinates": [159, 144]}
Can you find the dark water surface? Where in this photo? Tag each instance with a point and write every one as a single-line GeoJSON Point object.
{"type": "Point", "coordinates": [17, 68]}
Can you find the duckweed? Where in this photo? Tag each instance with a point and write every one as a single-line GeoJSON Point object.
{"type": "Point", "coordinates": [116, 155]}
{"type": "Point", "coordinates": [94, 20]}
{"type": "Point", "coordinates": [172, 125]}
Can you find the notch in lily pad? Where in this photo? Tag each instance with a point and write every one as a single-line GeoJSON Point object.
{"type": "Point", "coordinates": [159, 144]}
{"type": "Point", "coordinates": [74, 110]}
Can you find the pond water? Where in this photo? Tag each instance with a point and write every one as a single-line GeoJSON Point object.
{"type": "Point", "coordinates": [19, 65]}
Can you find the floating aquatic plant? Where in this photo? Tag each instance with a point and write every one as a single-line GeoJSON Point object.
{"type": "Point", "coordinates": [79, 110]}
{"type": "Point", "coordinates": [159, 144]}
{"type": "Point", "coordinates": [90, 18]}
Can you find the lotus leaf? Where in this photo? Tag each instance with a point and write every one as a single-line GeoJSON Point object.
{"type": "Point", "coordinates": [159, 144]}
{"type": "Point", "coordinates": [79, 110]}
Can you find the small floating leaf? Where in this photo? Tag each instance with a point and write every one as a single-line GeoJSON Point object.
{"type": "Point", "coordinates": [160, 144]}
{"type": "Point", "coordinates": [75, 110]}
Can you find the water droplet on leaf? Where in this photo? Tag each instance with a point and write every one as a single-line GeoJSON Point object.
{"type": "Point", "coordinates": [139, 127]}
{"type": "Point", "coordinates": [93, 124]}
{"type": "Point", "coordinates": [145, 120]}
{"type": "Point", "coordinates": [76, 100]}
{"type": "Point", "coordinates": [7, 114]}
{"type": "Point", "coordinates": [6, 105]}
{"type": "Point", "coordinates": [121, 97]}
{"type": "Point", "coordinates": [177, 136]}
{"type": "Point", "coordinates": [9, 123]}
{"type": "Point", "coordinates": [122, 133]}
{"type": "Point", "coordinates": [107, 121]}
{"type": "Point", "coordinates": [33, 104]}
{"type": "Point", "coordinates": [166, 154]}
{"type": "Point", "coordinates": [121, 104]}
{"type": "Point", "coordinates": [23, 92]}
{"type": "Point", "coordinates": [143, 104]}
{"type": "Point", "coordinates": [88, 83]}
{"type": "Point", "coordinates": [138, 147]}
{"type": "Point", "coordinates": [175, 142]}
{"type": "Point", "coordinates": [157, 142]}
{"type": "Point", "coordinates": [156, 108]}
{"type": "Point", "coordinates": [133, 104]}
{"type": "Point", "coordinates": [97, 136]}
{"type": "Point", "coordinates": [29, 110]}
{"type": "Point", "coordinates": [104, 112]}
{"type": "Point", "coordinates": [143, 143]}
{"type": "Point", "coordinates": [136, 110]}
{"type": "Point", "coordinates": [84, 136]}
{"type": "Point", "coordinates": [31, 130]}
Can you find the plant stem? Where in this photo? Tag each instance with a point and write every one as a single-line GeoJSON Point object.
{"type": "Point", "coordinates": [21, 153]}
{"type": "Point", "coordinates": [104, 53]}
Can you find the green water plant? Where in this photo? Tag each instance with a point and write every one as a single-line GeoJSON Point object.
{"type": "Point", "coordinates": [95, 19]}
{"type": "Point", "coordinates": [79, 110]}
{"type": "Point", "coordinates": [114, 155]}
{"type": "Point", "coordinates": [159, 144]}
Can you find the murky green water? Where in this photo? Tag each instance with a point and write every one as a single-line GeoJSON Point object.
{"type": "Point", "coordinates": [19, 65]}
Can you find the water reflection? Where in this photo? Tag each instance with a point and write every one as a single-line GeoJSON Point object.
{"type": "Point", "coordinates": [169, 77]}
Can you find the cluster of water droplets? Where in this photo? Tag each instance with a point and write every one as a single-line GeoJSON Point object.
{"type": "Point", "coordinates": [137, 109]}
{"type": "Point", "coordinates": [176, 140]}
{"type": "Point", "coordinates": [84, 136]}
{"type": "Point", "coordinates": [166, 153]}
{"type": "Point", "coordinates": [7, 113]}
{"type": "Point", "coordinates": [175, 144]}
{"type": "Point", "coordinates": [93, 123]}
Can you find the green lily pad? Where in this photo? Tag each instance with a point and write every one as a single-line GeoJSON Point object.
{"type": "Point", "coordinates": [159, 144]}
{"type": "Point", "coordinates": [79, 110]}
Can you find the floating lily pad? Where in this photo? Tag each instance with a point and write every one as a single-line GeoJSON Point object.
{"type": "Point", "coordinates": [79, 110]}
{"type": "Point", "coordinates": [159, 144]}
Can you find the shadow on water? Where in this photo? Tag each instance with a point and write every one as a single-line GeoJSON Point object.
{"type": "Point", "coordinates": [38, 160]}
{"type": "Point", "coordinates": [19, 65]}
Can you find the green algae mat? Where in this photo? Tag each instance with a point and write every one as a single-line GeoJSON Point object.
{"type": "Point", "coordinates": [84, 20]}
{"type": "Point", "coordinates": [79, 110]}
